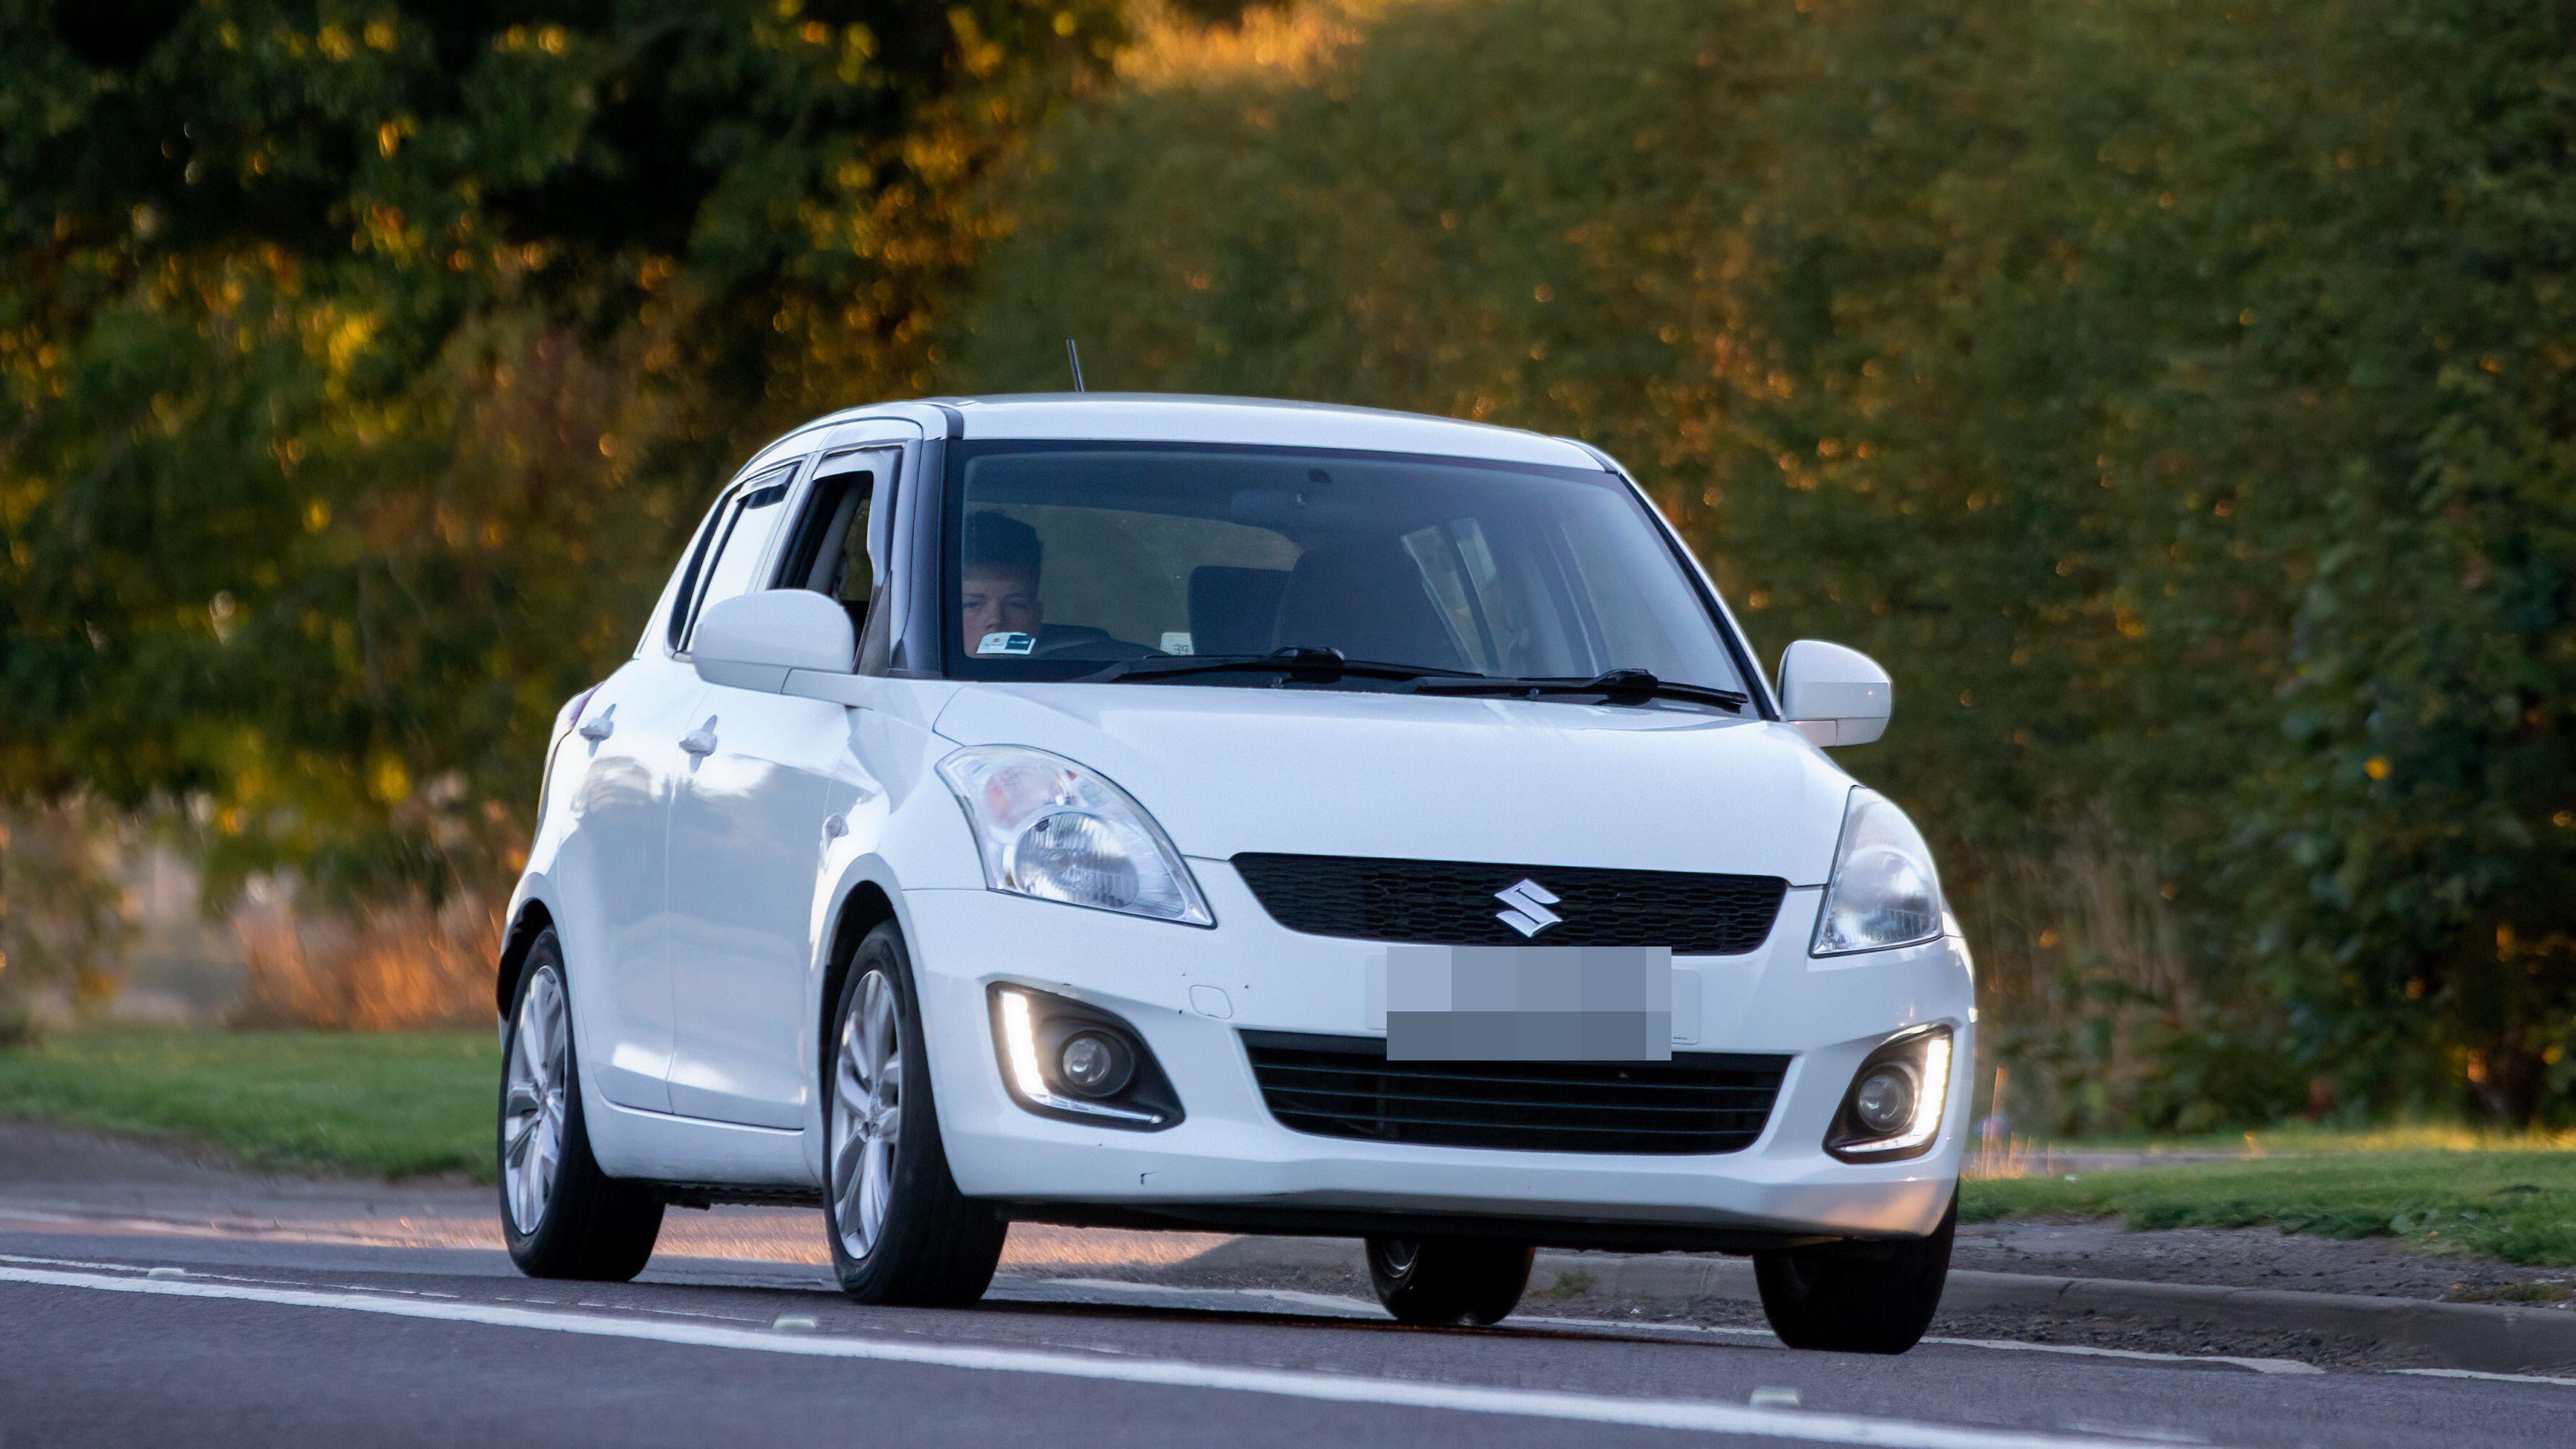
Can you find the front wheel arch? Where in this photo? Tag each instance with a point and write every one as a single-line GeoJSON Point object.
{"type": "Point", "coordinates": [863, 909]}
{"type": "Point", "coordinates": [533, 921]}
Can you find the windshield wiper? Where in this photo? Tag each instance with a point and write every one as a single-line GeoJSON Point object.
{"type": "Point", "coordinates": [1300, 662]}
{"type": "Point", "coordinates": [1618, 686]}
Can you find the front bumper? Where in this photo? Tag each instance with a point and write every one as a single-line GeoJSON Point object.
{"type": "Point", "coordinates": [1229, 1160]}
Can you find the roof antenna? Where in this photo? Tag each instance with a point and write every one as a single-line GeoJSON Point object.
{"type": "Point", "coordinates": [1073, 359]}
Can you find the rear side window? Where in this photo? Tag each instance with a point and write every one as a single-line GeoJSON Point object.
{"type": "Point", "coordinates": [735, 547]}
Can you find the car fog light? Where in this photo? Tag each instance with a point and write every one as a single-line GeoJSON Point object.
{"type": "Point", "coordinates": [1897, 1098]}
{"type": "Point", "coordinates": [1018, 1034]}
{"type": "Point", "coordinates": [1884, 1102]}
{"type": "Point", "coordinates": [1094, 1065]}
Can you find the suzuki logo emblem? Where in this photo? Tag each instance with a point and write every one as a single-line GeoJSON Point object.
{"type": "Point", "coordinates": [1529, 902]}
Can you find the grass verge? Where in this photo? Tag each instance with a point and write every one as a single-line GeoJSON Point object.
{"type": "Point", "coordinates": [2516, 1202]}
{"type": "Point", "coordinates": [372, 1104]}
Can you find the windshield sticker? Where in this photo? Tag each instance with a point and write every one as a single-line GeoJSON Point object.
{"type": "Point", "coordinates": [1177, 643]}
{"type": "Point", "coordinates": [1007, 644]}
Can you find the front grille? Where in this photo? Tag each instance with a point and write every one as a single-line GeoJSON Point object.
{"type": "Point", "coordinates": [1454, 903]}
{"type": "Point", "coordinates": [1343, 1086]}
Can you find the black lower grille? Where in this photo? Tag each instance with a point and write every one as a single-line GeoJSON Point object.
{"type": "Point", "coordinates": [1459, 903]}
{"type": "Point", "coordinates": [1343, 1086]}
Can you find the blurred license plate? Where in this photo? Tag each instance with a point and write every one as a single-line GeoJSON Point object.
{"type": "Point", "coordinates": [1528, 1003]}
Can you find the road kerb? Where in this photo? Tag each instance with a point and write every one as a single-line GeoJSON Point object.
{"type": "Point", "coordinates": [2490, 1338]}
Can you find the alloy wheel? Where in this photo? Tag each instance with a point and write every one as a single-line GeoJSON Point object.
{"type": "Point", "coordinates": [867, 1114]}
{"type": "Point", "coordinates": [532, 1113]}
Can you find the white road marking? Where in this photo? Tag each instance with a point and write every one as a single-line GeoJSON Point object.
{"type": "Point", "coordinates": [2478, 1374]}
{"type": "Point", "coordinates": [1682, 1414]}
{"type": "Point", "coordinates": [1361, 1308]}
{"type": "Point", "coordinates": [204, 1276]}
{"type": "Point", "coordinates": [2160, 1436]}
{"type": "Point", "coordinates": [1331, 1303]}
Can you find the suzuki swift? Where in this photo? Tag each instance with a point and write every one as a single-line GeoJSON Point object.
{"type": "Point", "coordinates": [1236, 816]}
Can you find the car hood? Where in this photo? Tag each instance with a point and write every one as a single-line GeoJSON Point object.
{"type": "Point", "coordinates": [1520, 782]}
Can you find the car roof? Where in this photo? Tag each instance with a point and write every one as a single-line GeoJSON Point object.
{"type": "Point", "coordinates": [1183, 418]}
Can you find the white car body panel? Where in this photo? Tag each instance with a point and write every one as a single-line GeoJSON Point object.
{"type": "Point", "coordinates": [1535, 782]}
{"type": "Point", "coordinates": [614, 856]}
{"type": "Point", "coordinates": [1229, 1150]}
{"type": "Point", "coordinates": [1834, 695]}
{"type": "Point", "coordinates": [1258, 422]}
{"type": "Point", "coordinates": [747, 838]}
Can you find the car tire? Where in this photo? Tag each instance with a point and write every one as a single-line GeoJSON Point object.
{"type": "Point", "coordinates": [562, 1216]}
{"type": "Point", "coordinates": [1449, 1280]}
{"type": "Point", "coordinates": [1844, 1302]}
{"type": "Point", "coordinates": [900, 1231]}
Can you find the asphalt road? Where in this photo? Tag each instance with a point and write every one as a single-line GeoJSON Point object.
{"type": "Point", "coordinates": [119, 1329]}
{"type": "Point", "coordinates": [148, 1296]}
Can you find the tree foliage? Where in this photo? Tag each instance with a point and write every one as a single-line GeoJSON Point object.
{"type": "Point", "coordinates": [361, 362]}
{"type": "Point", "coordinates": [2176, 395]}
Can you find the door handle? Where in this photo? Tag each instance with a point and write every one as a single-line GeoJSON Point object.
{"type": "Point", "coordinates": [702, 740]}
{"type": "Point", "coordinates": [601, 726]}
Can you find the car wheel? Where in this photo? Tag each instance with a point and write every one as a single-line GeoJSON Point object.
{"type": "Point", "coordinates": [1449, 1280]}
{"type": "Point", "coordinates": [562, 1216]}
{"type": "Point", "coordinates": [900, 1231]}
{"type": "Point", "coordinates": [1848, 1303]}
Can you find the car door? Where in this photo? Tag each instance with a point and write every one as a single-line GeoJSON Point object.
{"type": "Point", "coordinates": [610, 874]}
{"type": "Point", "coordinates": [751, 823]}
{"type": "Point", "coordinates": [614, 866]}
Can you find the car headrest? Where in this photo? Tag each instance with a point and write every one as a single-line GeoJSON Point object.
{"type": "Point", "coordinates": [1232, 610]}
{"type": "Point", "coordinates": [1367, 598]}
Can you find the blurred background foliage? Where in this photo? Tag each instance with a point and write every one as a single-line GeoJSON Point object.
{"type": "Point", "coordinates": [360, 365]}
{"type": "Point", "coordinates": [2174, 393]}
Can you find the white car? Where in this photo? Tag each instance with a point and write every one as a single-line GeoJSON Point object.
{"type": "Point", "coordinates": [1229, 815]}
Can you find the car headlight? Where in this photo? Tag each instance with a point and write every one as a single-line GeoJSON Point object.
{"type": "Point", "coordinates": [1051, 829]}
{"type": "Point", "coordinates": [1883, 891]}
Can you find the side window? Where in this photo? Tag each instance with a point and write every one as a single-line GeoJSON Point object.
{"type": "Point", "coordinates": [672, 610]}
{"type": "Point", "coordinates": [739, 540]}
{"type": "Point", "coordinates": [829, 552]}
{"type": "Point", "coordinates": [1506, 619]}
{"type": "Point", "coordinates": [1449, 566]}
{"type": "Point", "coordinates": [854, 575]}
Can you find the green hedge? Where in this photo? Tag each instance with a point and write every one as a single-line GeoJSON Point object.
{"type": "Point", "coordinates": [2175, 395]}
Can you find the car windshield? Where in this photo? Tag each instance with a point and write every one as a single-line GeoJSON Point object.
{"type": "Point", "coordinates": [1065, 559]}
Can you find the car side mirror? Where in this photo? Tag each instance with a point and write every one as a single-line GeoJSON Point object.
{"type": "Point", "coordinates": [752, 641]}
{"type": "Point", "coordinates": [1835, 696]}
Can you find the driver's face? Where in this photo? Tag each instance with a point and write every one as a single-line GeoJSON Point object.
{"type": "Point", "coordinates": [999, 603]}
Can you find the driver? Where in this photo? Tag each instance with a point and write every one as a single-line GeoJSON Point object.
{"type": "Point", "coordinates": [999, 586]}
